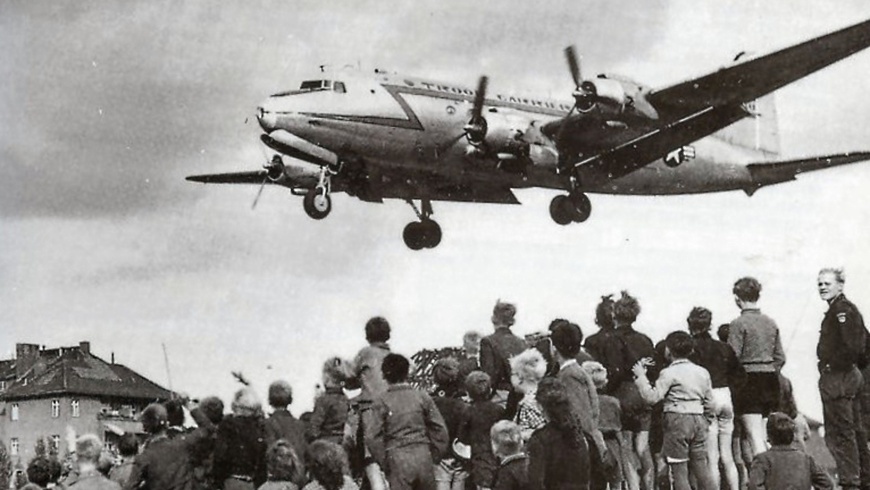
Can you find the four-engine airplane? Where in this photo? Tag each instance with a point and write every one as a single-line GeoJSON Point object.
{"type": "Point", "coordinates": [394, 137]}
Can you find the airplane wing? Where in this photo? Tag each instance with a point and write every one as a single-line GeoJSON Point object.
{"type": "Point", "coordinates": [696, 108]}
{"type": "Point", "coordinates": [768, 173]}
{"type": "Point", "coordinates": [254, 177]}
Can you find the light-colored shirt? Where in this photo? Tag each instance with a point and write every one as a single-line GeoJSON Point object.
{"type": "Point", "coordinates": [755, 339]}
{"type": "Point", "coordinates": [684, 386]}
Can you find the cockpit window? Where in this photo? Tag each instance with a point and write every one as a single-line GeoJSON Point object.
{"type": "Point", "coordinates": [338, 87]}
{"type": "Point", "coordinates": [315, 85]}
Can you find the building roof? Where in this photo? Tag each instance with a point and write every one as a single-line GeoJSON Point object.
{"type": "Point", "coordinates": [74, 371]}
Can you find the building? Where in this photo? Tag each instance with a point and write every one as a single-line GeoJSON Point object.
{"type": "Point", "coordinates": [50, 391]}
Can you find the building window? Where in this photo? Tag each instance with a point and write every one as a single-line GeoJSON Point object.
{"type": "Point", "coordinates": [14, 411]}
{"type": "Point", "coordinates": [2, 385]}
{"type": "Point", "coordinates": [13, 445]}
{"type": "Point", "coordinates": [55, 443]}
{"type": "Point", "coordinates": [55, 409]}
{"type": "Point", "coordinates": [74, 405]}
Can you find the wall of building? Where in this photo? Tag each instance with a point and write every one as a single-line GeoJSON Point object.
{"type": "Point", "coordinates": [35, 421]}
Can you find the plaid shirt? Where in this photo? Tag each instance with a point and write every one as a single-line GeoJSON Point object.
{"type": "Point", "coordinates": [530, 415]}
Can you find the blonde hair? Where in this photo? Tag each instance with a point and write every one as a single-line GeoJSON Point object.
{"type": "Point", "coordinates": [246, 403]}
{"type": "Point", "coordinates": [506, 437]}
{"type": "Point", "coordinates": [529, 366]}
{"type": "Point", "coordinates": [597, 372]}
{"type": "Point", "coordinates": [88, 448]}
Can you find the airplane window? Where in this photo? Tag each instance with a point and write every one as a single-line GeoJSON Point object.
{"type": "Point", "coordinates": [311, 85]}
{"type": "Point", "coordinates": [338, 87]}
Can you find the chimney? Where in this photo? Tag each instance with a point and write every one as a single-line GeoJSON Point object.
{"type": "Point", "coordinates": [85, 347]}
{"type": "Point", "coordinates": [113, 357]}
{"type": "Point", "coordinates": [26, 356]}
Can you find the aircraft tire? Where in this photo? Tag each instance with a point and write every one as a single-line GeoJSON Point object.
{"type": "Point", "coordinates": [431, 233]}
{"type": "Point", "coordinates": [582, 207]}
{"type": "Point", "coordinates": [317, 204]}
{"type": "Point", "coordinates": [562, 210]}
{"type": "Point", "coordinates": [414, 235]}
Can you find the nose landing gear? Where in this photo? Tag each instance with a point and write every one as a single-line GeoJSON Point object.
{"type": "Point", "coordinates": [425, 233]}
{"type": "Point", "coordinates": [317, 203]}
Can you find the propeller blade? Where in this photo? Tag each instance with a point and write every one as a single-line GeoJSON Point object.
{"type": "Point", "coordinates": [573, 65]}
{"type": "Point", "coordinates": [259, 193]}
{"type": "Point", "coordinates": [479, 98]}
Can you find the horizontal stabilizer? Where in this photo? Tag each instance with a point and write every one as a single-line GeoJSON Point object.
{"type": "Point", "coordinates": [254, 177]}
{"type": "Point", "coordinates": [763, 174]}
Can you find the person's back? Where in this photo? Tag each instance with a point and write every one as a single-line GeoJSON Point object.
{"type": "Point", "coordinates": [784, 466]}
{"type": "Point", "coordinates": [497, 348]}
{"type": "Point", "coordinates": [281, 424]}
{"type": "Point", "coordinates": [367, 363]}
{"type": "Point", "coordinates": [164, 463]}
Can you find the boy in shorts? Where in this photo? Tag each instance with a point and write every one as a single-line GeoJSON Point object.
{"type": "Point", "coordinates": [687, 392]}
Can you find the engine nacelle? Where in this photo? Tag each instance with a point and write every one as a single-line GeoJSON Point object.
{"type": "Point", "coordinates": [505, 133]}
{"type": "Point", "coordinates": [604, 93]}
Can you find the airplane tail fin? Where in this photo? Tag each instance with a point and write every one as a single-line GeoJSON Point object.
{"type": "Point", "coordinates": [759, 132]}
{"type": "Point", "coordinates": [769, 173]}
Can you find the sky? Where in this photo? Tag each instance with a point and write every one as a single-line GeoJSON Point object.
{"type": "Point", "coordinates": [106, 106]}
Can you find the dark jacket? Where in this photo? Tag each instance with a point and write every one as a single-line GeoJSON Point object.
{"type": "Point", "coordinates": [582, 395]}
{"type": "Point", "coordinates": [329, 416]}
{"type": "Point", "coordinates": [786, 467]}
{"type": "Point", "coordinates": [495, 352]}
{"type": "Point", "coordinates": [283, 425]}
{"type": "Point", "coordinates": [240, 449]}
{"type": "Point", "coordinates": [164, 464]}
{"type": "Point", "coordinates": [719, 359]}
{"type": "Point", "coordinates": [843, 339]}
{"type": "Point", "coordinates": [453, 409]}
{"type": "Point", "coordinates": [513, 473]}
{"type": "Point", "coordinates": [481, 416]}
{"type": "Point", "coordinates": [555, 463]}
{"type": "Point", "coordinates": [624, 348]}
{"type": "Point", "coordinates": [405, 416]}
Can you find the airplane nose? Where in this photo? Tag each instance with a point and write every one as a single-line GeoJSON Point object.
{"type": "Point", "coordinates": [267, 119]}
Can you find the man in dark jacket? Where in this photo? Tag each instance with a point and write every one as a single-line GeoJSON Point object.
{"type": "Point", "coordinates": [282, 424]}
{"type": "Point", "coordinates": [841, 350]}
{"type": "Point", "coordinates": [496, 349]}
{"type": "Point", "coordinates": [164, 464]}
{"type": "Point", "coordinates": [726, 374]}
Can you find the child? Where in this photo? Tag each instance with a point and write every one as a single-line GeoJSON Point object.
{"type": "Point", "coordinates": [784, 465]}
{"type": "Point", "coordinates": [331, 407]}
{"type": "Point", "coordinates": [408, 432]}
{"type": "Point", "coordinates": [285, 469]}
{"type": "Point", "coordinates": [327, 464]}
{"type": "Point", "coordinates": [687, 392]}
{"type": "Point", "coordinates": [527, 370]}
{"type": "Point", "coordinates": [449, 473]}
{"type": "Point", "coordinates": [507, 444]}
{"type": "Point", "coordinates": [482, 415]}
{"type": "Point", "coordinates": [609, 422]}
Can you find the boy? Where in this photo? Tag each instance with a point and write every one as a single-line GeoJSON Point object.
{"type": "Point", "coordinates": [610, 424]}
{"type": "Point", "coordinates": [482, 414]}
{"type": "Point", "coordinates": [507, 445]}
{"type": "Point", "coordinates": [784, 465]}
{"type": "Point", "coordinates": [688, 394]}
{"type": "Point", "coordinates": [409, 432]}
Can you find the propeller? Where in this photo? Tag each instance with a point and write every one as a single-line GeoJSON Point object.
{"type": "Point", "coordinates": [475, 129]}
{"type": "Point", "coordinates": [274, 171]}
{"type": "Point", "coordinates": [585, 94]}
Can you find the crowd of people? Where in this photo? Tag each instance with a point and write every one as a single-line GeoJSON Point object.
{"type": "Point", "coordinates": [546, 412]}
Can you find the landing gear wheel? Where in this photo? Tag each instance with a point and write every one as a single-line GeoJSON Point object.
{"type": "Point", "coordinates": [431, 233]}
{"type": "Point", "coordinates": [414, 236]}
{"type": "Point", "coordinates": [317, 203]}
{"type": "Point", "coordinates": [582, 207]}
{"type": "Point", "coordinates": [562, 210]}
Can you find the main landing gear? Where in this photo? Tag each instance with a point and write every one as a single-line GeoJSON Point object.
{"type": "Point", "coordinates": [575, 207]}
{"type": "Point", "coordinates": [317, 203]}
{"type": "Point", "coordinates": [425, 233]}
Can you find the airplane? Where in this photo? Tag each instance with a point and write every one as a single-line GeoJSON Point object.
{"type": "Point", "coordinates": [388, 136]}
